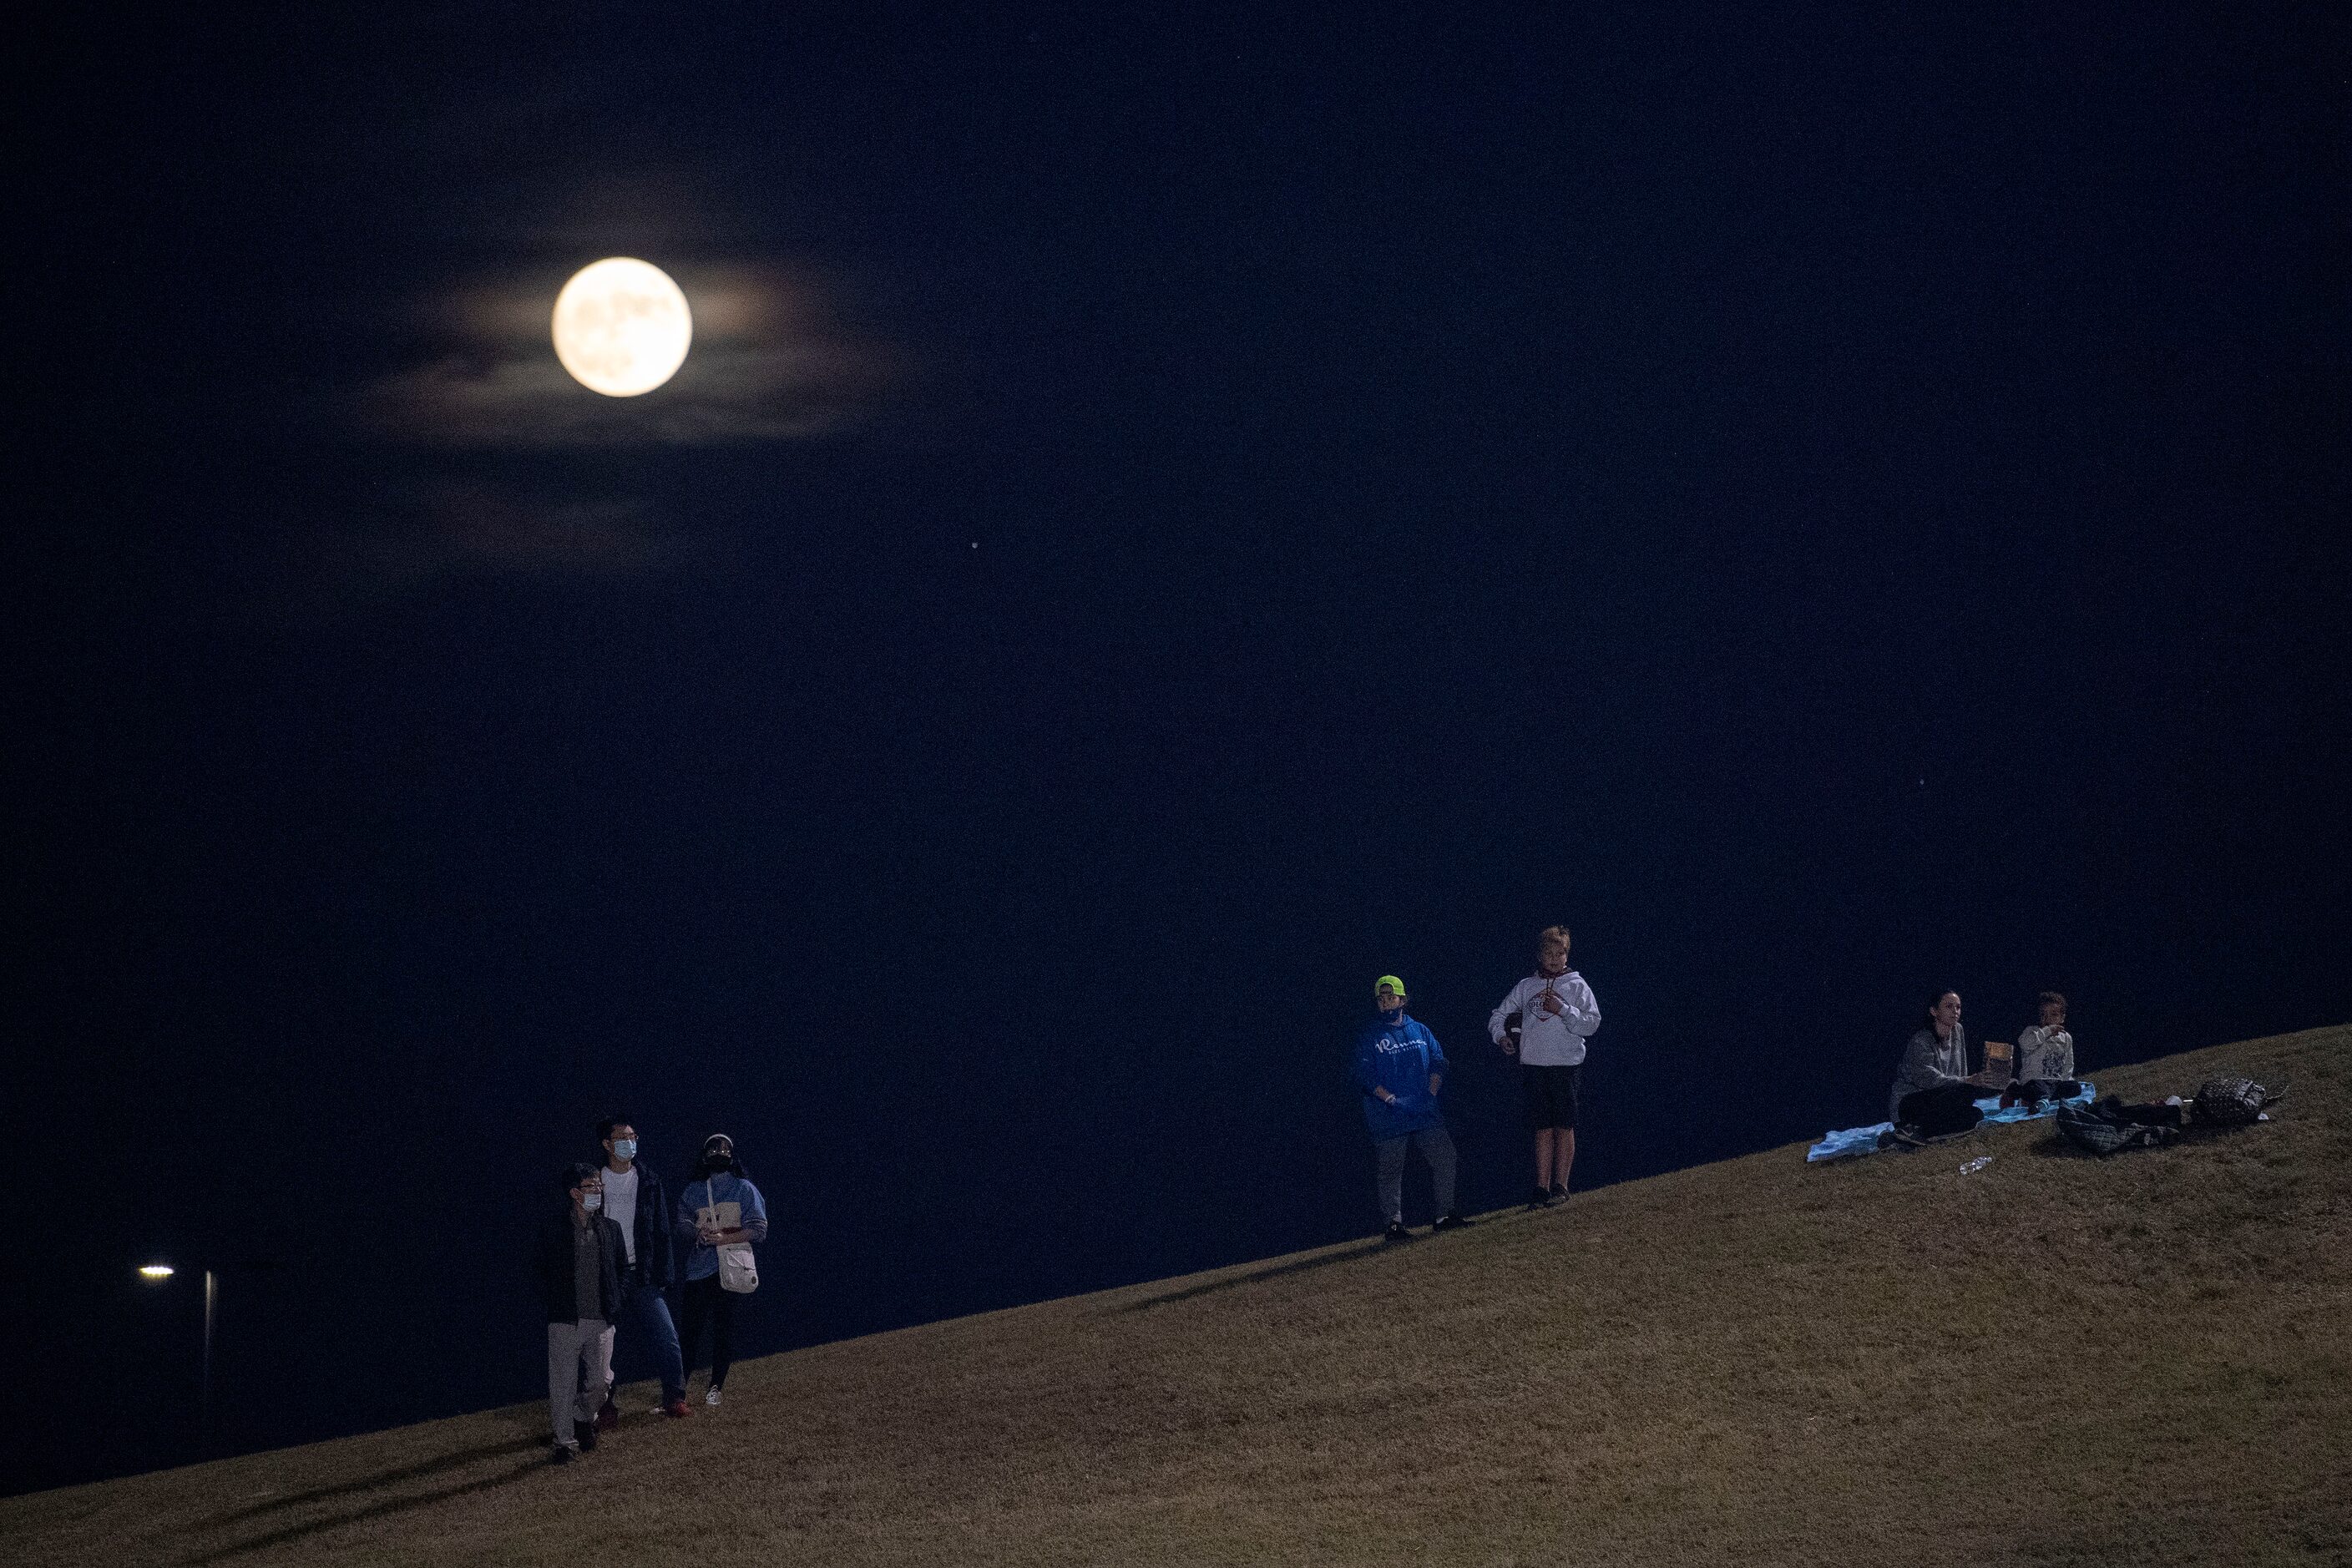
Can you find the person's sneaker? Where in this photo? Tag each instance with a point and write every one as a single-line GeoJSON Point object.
{"type": "Point", "coordinates": [609, 1417]}
{"type": "Point", "coordinates": [675, 1407]}
{"type": "Point", "coordinates": [1539, 1199]}
{"type": "Point", "coordinates": [1396, 1231]}
{"type": "Point", "coordinates": [584, 1431]}
{"type": "Point", "coordinates": [564, 1454]}
{"type": "Point", "coordinates": [709, 1397]}
{"type": "Point", "coordinates": [1453, 1222]}
{"type": "Point", "coordinates": [1559, 1193]}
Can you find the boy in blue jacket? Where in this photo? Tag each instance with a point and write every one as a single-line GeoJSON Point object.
{"type": "Point", "coordinates": [1400, 1068]}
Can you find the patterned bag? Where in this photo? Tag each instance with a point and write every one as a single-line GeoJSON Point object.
{"type": "Point", "coordinates": [2234, 1102]}
{"type": "Point", "coordinates": [2103, 1130]}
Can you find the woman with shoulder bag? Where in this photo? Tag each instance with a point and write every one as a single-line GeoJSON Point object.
{"type": "Point", "coordinates": [720, 1214]}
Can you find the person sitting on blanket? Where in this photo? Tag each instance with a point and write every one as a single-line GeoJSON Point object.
{"type": "Point", "coordinates": [1933, 1094]}
{"type": "Point", "coordinates": [2045, 1056]}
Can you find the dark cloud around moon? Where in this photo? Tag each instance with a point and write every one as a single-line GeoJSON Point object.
{"type": "Point", "coordinates": [459, 530]}
{"type": "Point", "coordinates": [495, 464]}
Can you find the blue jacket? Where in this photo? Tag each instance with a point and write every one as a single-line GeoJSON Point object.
{"type": "Point", "coordinates": [1399, 1057]}
{"type": "Point", "coordinates": [725, 1187]}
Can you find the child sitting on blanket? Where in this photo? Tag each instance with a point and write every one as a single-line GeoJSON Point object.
{"type": "Point", "coordinates": [2045, 1056]}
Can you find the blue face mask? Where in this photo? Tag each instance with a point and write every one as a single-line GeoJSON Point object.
{"type": "Point", "coordinates": [624, 1148]}
{"type": "Point", "coordinates": [593, 1202]}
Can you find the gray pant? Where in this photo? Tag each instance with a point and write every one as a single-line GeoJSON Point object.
{"type": "Point", "coordinates": [575, 1373]}
{"type": "Point", "coordinates": [1436, 1146]}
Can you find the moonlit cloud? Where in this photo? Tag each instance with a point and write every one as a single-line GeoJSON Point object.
{"type": "Point", "coordinates": [482, 401]}
{"type": "Point", "coordinates": [770, 364]}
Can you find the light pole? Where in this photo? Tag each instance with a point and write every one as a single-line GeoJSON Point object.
{"type": "Point", "coordinates": [156, 1274]}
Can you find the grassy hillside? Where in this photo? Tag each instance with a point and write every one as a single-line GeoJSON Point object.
{"type": "Point", "coordinates": [2051, 1359]}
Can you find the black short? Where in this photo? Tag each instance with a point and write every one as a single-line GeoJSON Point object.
{"type": "Point", "coordinates": [1551, 1095]}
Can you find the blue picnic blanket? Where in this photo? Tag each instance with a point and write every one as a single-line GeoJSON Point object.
{"type": "Point", "coordinates": [1864, 1140]}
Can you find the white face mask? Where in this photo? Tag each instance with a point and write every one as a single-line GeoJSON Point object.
{"type": "Point", "coordinates": [593, 1202]}
{"type": "Point", "coordinates": [624, 1148]}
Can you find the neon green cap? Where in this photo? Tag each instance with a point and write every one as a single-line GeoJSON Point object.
{"type": "Point", "coordinates": [1391, 983]}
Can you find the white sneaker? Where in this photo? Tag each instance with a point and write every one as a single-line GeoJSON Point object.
{"type": "Point", "coordinates": [710, 1396]}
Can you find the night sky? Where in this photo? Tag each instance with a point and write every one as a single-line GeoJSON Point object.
{"type": "Point", "coordinates": [1166, 520]}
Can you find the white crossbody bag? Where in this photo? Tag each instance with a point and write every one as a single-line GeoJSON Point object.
{"type": "Point", "coordinates": [738, 1272]}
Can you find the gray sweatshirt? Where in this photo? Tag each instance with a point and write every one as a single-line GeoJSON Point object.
{"type": "Point", "coordinates": [1927, 1062]}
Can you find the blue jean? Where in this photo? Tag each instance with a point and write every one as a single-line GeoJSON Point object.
{"type": "Point", "coordinates": [645, 1307]}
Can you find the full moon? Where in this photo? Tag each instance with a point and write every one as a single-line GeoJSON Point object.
{"type": "Point", "coordinates": [622, 327]}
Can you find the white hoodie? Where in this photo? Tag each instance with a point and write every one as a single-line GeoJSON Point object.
{"type": "Point", "coordinates": [2041, 1054]}
{"type": "Point", "coordinates": [1548, 1038]}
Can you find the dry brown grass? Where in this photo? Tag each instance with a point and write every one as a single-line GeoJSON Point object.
{"type": "Point", "coordinates": [2054, 1360]}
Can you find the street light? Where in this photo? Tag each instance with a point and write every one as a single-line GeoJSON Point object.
{"type": "Point", "coordinates": [156, 1274]}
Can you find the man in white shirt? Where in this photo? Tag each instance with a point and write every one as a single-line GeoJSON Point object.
{"type": "Point", "coordinates": [1556, 1013]}
{"type": "Point", "coordinates": [635, 1201]}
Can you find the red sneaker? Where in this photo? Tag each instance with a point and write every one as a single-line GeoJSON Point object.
{"type": "Point", "coordinates": [675, 1407]}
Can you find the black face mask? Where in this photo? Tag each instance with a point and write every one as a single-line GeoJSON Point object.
{"type": "Point", "coordinates": [719, 1161]}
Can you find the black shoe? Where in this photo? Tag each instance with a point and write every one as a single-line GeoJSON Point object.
{"type": "Point", "coordinates": [1560, 1192]}
{"type": "Point", "coordinates": [1541, 1199]}
{"type": "Point", "coordinates": [1451, 1222]}
{"type": "Point", "coordinates": [1396, 1231]}
{"type": "Point", "coordinates": [586, 1431]}
{"type": "Point", "coordinates": [564, 1454]}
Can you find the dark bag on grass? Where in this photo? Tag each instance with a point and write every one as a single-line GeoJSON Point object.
{"type": "Point", "coordinates": [2109, 1127]}
{"type": "Point", "coordinates": [2234, 1102]}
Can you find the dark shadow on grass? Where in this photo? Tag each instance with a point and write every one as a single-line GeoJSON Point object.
{"type": "Point", "coordinates": [385, 1510]}
{"type": "Point", "coordinates": [2055, 1147]}
{"type": "Point", "coordinates": [1254, 1277]}
{"type": "Point", "coordinates": [418, 1471]}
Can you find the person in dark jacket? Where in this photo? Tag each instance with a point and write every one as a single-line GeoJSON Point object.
{"type": "Point", "coordinates": [1400, 1068]}
{"type": "Point", "coordinates": [579, 1253]}
{"type": "Point", "coordinates": [634, 1200]}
